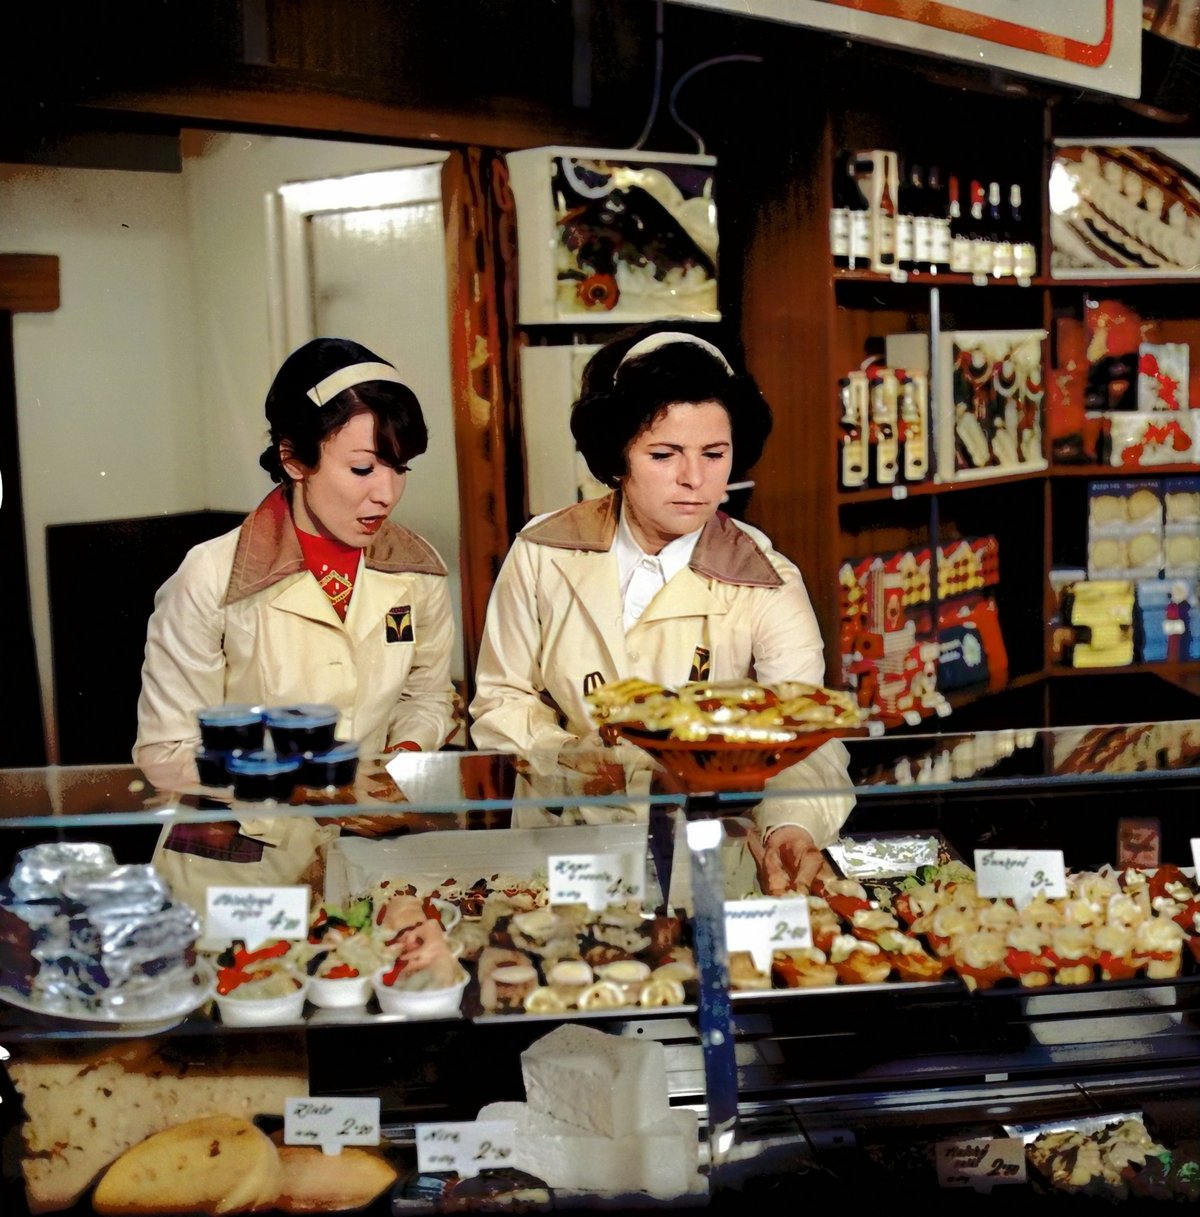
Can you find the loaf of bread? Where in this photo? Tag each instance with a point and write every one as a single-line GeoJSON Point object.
{"type": "Point", "coordinates": [85, 1108]}
{"type": "Point", "coordinates": [317, 1182]}
{"type": "Point", "coordinates": [217, 1164]}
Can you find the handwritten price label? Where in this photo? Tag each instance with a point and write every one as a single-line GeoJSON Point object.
{"type": "Point", "coordinates": [331, 1123]}
{"type": "Point", "coordinates": [465, 1148]}
{"type": "Point", "coordinates": [597, 880]}
{"type": "Point", "coordinates": [981, 1164]}
{"type": "Point", "coordinates": [1020, 873]}
{"type": "Point", "coordinates": [763, 926]}
{"type": "Point", "coordinates": [256, 914]}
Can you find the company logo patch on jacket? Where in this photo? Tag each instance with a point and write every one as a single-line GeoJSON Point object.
{"type": "Point", "coordinates": [701, 664]}
{"type": "Point", "coordinates": [399, 624]}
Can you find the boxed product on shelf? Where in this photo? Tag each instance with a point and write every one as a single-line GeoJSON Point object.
{"type": "Point", "coordinates": [1163, 376]}
{"type": "Point", "coordinates": [615, 235]}
{"type": "Point", "coordinates": [1181, 500]}
{"type": "Point", "coordinates": [1181, 550]}
{"type": "Point", "coordinates": [1123, 502]}
{"type": "Point", "coordinates": [1135, 440]}
{"type": "Point", "coordinates": [883, 428]}
{"type": "Point", "coordinates": [987, 396]}
{"type": "Point", "coordinates": [1167, 619]}
{"type": "Point", "coordinates": [1121, 209]}
{"type": "Point", "coordinates": [1125, 532]}
{"type": "Point", "coordinates": [879, 176]}
{"type": "Point", "coordinates": [1100, 615]}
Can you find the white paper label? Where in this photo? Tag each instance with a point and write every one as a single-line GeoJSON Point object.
{"type": "Point", "coordinates": [256, 914]}
{"type": "Point", "coordinates": [982, 1163]}
{"type": "Point", "coordinates": [1196, 855]}
{"type": "Point", "coordinates": [1020, 873]}
{"type": "Point", "coordinates": [331, 1123]}
{"type": "Point", "coordinates": [762, 926]}
{"type": "Point", "coordinates": [596, 880]}
{"type": "Point", "coordinates": [466, 1148]}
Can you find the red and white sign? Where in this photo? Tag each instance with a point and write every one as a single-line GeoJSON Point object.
{"type": "Point", "coordinates": [1095, 44]}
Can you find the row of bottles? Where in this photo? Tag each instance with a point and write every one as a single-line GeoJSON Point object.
{"type": "Point", "coordinates": [884, 428]}
{"type": "Point", "coordinates": [893, 216]}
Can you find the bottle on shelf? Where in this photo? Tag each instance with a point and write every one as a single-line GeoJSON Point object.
{"type": "Point", "coordinates": [885, 426]}
{"type": "Point", "coordinates": [839, 213]}
{"type": "Point", "coordinates": [853, 428]}
{"type": "Point", "coordinates": [883, 246]}
{"type": "Point", "coordinates": [860, 217]}
{"type": "Point", "coordinates": [939, 222]}
{"type": "Point", "coordinates": [1002, 247]}
{"type": "Point", "coordinates": [960, 230]}
{"type": "Point", "coordinates": [1024, 249]}
{"type": "Point", "coordinates": [907, 203]}
{"type": "Point", "coordinates": [914, 425]}
{"type": "Point", "coordinates": [981, 241]}
{"type": "Point", "coordinates": [922, 221]}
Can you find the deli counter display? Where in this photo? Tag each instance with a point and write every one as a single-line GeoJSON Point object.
{"type": "Point", "coordinates": [532, 987]}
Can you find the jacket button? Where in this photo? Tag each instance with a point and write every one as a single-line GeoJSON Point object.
{"type": "Point", "coordinates": [635, 656]}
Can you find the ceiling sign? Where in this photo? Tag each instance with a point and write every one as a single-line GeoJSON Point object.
{"type": "Point", "coordinates": [1093, 44]}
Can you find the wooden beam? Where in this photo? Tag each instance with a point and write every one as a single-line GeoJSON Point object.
{"type": "Point", "coordinates": [28, 283]}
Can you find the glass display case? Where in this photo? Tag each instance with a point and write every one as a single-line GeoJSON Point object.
{"type": "Point", "coordinates": [772, 1071]}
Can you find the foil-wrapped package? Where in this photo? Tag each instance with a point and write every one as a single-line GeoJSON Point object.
{"type": "Point", "coordinates": [40, 871]}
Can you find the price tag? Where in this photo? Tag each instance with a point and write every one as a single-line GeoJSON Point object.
{"type": "Point", "coordinates": [982, 1163]}
{"type": "Point", "coordinates": [1139, 841]}
{"type": "Point", "coordinates": [1196, 855]}
{"type": "Point", "coordinates": [1020, 873]}
{"type": "Point", "coordinates": [256, 914]}
{"type": "Point", "coordinates": [331, 1123]}
{"type": "Point", "coordinates": [762, 926]}
{"type": "Point", "coordinates": [899, 492]}
{"type": "Point", "coordinates": [466, 1148]}
{"type": "Point", "coordinates": [596, 880]}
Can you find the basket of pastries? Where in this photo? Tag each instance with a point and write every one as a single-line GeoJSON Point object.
{"type": "Point", "coordinates": [725, 735]}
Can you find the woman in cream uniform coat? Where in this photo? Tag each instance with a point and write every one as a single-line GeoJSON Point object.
{"type": "Point", "coordinates": [654, 581]}
{"type": "Point", "coordinates": [318, 597]}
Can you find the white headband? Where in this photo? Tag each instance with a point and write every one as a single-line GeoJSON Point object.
{"type": "Point", "coordinates": [349, 376]}
{"type": "Point", "coordinates": [667, 338]}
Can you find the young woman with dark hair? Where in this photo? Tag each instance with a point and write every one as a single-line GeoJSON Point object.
{"type": "Point", "coordinates": [317, 598]}
{"type": "Point", "coordinates": [654, 581]}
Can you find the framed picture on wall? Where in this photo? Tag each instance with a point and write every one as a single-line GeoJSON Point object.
{"type": "Point", "coordinates": [608, 236]}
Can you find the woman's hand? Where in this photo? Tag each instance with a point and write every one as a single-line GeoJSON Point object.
{"type": "Point", "coordinates": [788, 861]}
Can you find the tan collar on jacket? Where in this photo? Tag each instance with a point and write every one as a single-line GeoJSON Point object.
{"type": "Point", "coordinates": [267, 550]}
{"type": "Point", "coordinates": [724, 552]}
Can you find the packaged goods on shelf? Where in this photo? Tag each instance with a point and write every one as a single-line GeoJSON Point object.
{"type": "Point", "coordinates": [884, 428]}
{"type": "Point", "coordinates": [879, 173]}
{"type": "Point", "coordinates": [1133, 440]}
{"type": "Point", "coordinates": [891, 646]}
{"type": "Point", "coordinates": [1168, 620]}
{"type": "Point", "coordinates": [1181, 500]}
{"type": "Point", "coordinates": [1099, 613]}
{"type": "Point", "coordinates": [1125, 531]}
{"type": "Point", "coordinates": [986, 416]}
{"type": "Point", "coordinates": [1162, 376]}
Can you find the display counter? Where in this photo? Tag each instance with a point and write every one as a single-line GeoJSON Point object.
{"type": "Point", "coordinates": [793, 1080]}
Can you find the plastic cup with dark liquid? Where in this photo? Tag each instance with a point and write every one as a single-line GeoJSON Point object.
{"type": "Point", "coordinates": [231, 728]}
{"type": "Point", "coordinates": [335, 768]}
{"type": "Point", "coordinates": [296, 730]}
{"type": "Point", "coordinates": [260, 777]}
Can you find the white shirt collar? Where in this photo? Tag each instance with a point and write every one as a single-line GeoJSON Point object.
{"type": "Point", "coordinates": [666, 564]}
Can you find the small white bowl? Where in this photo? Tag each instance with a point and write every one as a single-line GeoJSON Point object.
{"type": "Point", "coordinates": [419, 1003]}
{"type": "Point", "coordinates": [339, 992]}
{"type": "Point", "coordinates": [264, 1011]}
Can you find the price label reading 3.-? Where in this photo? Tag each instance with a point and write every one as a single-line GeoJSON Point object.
{"type": "Point", "coordinates": [763, 926]}
{"type": "Point", "coordinates": [256, 914]}
{"type": "Point", "coordinates": [331, 1123]}
{"type": "Point", "coordinates": [1020, 874]}
{"type": "Point", "coordinates": [466, 1148]}
{"type": "Point", "coordinates": [981, 1163]}
{"type": "Point", "coordinates": [597, 880]}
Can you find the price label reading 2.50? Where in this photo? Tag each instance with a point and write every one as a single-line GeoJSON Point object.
{"type": "Point", "coordinates": [763, 926]}
{"type": "Point", "coordinates": [331, 1123]}
{"type": "Point", "coordinates": [1020, 874]}
{"type": "Point", "coordinates": [466, 1148]}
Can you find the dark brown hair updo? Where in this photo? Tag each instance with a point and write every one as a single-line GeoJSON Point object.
{"type": "Point", "coordinates": [297, 420]}
{"type": "Point", "coordinates": [618, 401]}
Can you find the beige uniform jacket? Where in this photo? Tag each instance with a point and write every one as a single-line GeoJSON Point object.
{"type": "Point", "coordinates": [243, 620]}
{"type": "Point", "coordinates": [555, 619]}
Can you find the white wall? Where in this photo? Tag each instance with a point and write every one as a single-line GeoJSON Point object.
{"type": "Point", "coordinates": [142, 394]}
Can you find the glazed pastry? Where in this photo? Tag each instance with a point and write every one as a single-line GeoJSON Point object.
{"type": "Point", "coordinates": [857, 962]}
{"type": "Point", "coordinates": [1158, 943]}
{"type": "Point", "coordinates": [1074, 955]}
{"type": "Point", "coordinates": [1026, 956]}
{"type": "Point", "coordinates": [979, 958]}
{"type": "Point", "coordinates": [909, 958]}
{"type": "Point", "coordinates": [803, 968]}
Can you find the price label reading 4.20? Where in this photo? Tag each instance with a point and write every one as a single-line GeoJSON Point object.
{"type": "Point", "coordinates": [465, 1148]}
{"type": "Point", "coordinates": [763, 926]}
{"type": "Point", "coordinates": [331, 1123]}
{"type": "Point", "coordinates": [596, 880]}
{"type": "Point", "coordinates": [1020, 874]}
